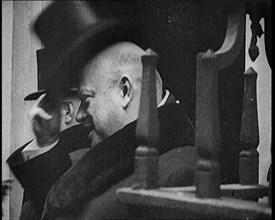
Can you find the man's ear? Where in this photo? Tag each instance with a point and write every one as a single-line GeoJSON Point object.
{"type": "Point", "coordinates": [68, 110]}
{"type": "Point", "coordinates": [126, 91]}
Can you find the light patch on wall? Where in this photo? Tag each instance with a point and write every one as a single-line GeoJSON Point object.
{"type": "Point", "coordinates": [263, 69]}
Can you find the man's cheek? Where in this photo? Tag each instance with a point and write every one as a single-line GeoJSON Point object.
{"type": "Point", "coordinates": [90, 111]}
{"type": "Point", "coordinates": [41, 126]}
{"type": "Point", "coordinates": [53, 126]}
{"type": "Point", "coordinates": [38, 127]}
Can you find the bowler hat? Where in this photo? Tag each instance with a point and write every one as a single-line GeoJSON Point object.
{"type": "Point", "coordinates": [75, 30]}
{"type": "Point", "coordinates": [43, 62]}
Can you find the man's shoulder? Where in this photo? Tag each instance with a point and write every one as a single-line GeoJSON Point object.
{"type": "Point", "coordinates": [16, 156]}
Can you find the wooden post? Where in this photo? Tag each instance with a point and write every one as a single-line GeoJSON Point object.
{"type": "Point", "coordinates": [207, 138]}
{"type": "Point", "coordinates": [207, 133]}
{"type": "Point", "coordinates": [249, 136]}
{"type": "Point", "coordinates": [147, 130]}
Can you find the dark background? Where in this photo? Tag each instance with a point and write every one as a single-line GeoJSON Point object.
{"type": "Point", "coordinates": [178, 30]}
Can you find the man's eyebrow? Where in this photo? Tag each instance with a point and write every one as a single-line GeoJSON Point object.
{"type": "Point", "coordinates": [85, 92]}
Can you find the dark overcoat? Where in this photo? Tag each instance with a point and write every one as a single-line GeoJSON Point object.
{"type": "Point", "coordinates": [88, 189]}
{"type": "Point", "coordinates": [38, 174]}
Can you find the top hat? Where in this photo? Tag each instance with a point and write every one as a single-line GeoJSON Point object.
{"type": "Point", "coordinates": [43, 62]}
{"type": "Point", "coordinates": [73, 31]}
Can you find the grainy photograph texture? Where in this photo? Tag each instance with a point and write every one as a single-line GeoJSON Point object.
{"type": "Point", "coordinates": [136, 109]}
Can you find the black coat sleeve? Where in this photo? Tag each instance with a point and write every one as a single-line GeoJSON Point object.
{"type": "Point", "coordinates": [38, 174]}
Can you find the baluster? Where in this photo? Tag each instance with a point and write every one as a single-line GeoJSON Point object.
{"type": "Point", "coordinates": [147, 131]}
{"type": "Point", "coordinates": [249, 135]}
{"type": "Point", "coordinates": [207, 138]}
{"type": "Point", "coordinates": [207, 134]}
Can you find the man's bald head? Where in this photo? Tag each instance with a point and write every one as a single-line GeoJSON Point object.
{"type": "Point", "coordinates": [110, 89]}
{"type": "Point", "coordinates": [124, 59]}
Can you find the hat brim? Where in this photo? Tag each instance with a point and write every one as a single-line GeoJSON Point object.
{"type": "Point", "coordinates": [35, 95]}
{"type": "Point", "coordinates": [70, 63]}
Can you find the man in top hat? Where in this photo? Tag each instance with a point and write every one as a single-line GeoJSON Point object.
{"type": "Point", "coordinates": [58, 140]}
{"type": "Point", "coordinates": [100, 47]}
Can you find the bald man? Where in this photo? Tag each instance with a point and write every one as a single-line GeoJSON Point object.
{"type": "Point", "coordinates": [109, 91]}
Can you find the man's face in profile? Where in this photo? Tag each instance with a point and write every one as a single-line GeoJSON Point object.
{"type": "Point", "coordinates": [99, 102]}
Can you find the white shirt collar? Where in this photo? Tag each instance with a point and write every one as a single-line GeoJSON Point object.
{"type": "Point", "coordinates": [33, 150]}
{"type": "Point", "coordinates": [167, 93]}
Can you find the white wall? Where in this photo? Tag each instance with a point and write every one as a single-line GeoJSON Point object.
{"type": "Point", "coordinates": [7, 20]}
{"type": "Point", "coordinates": [262, 67]}
{"type": "Point", "coordinates": [19, 78]}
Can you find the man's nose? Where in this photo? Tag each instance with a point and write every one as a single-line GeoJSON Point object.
{"type": "Point", "coordinates": [81, 115]}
